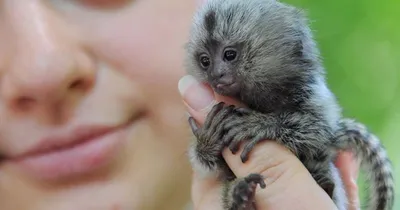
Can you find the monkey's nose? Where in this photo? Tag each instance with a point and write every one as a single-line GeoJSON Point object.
{"type": "Point", "coordinates": [224, 79]}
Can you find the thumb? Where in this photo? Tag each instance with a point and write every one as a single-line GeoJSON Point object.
{"type": "Point", "coordinates": [199, 98]}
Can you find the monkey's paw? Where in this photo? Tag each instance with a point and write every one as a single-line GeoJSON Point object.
{"type": "Point", "coordinates": [209, 137]}
{"type": "Point", "coordinates": [244, 191]}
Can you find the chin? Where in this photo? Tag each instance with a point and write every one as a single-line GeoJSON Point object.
{"type": "Point", "coordinates": [221, 91]}
{"type": "Point", "coordinates": [231, 91]}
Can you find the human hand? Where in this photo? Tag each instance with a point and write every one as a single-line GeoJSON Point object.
{"type": "Point", "coordinates": [289, 184]}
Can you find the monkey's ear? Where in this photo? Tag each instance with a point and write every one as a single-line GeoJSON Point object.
{"type": "Point", "coordinates": [298, 49]}
{"type": "Point", "coordinates": [299, 56]}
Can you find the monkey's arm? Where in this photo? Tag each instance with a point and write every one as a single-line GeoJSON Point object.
{"type": "Point", "coordinates": [302, 133]}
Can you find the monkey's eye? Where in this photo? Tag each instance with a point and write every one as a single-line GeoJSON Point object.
{"type": "Point", "coordinates": [230, 54]}
{"type": "Point", "coordinates": [204, 61]}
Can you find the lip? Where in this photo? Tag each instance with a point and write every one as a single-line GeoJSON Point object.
{"type": "Point", "coordinates": [220, 85]}
{"type": "Point", "coordinates": [82, 150]}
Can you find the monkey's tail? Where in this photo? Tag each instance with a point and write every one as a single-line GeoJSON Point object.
{"type": "Point", "coordinates": [374, 161]}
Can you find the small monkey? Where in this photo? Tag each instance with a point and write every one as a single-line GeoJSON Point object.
{"type": "Point", "coordinates": [262, 53]}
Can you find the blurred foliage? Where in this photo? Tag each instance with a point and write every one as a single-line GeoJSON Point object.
{"type": "Point", "coordinates": [360, 45]}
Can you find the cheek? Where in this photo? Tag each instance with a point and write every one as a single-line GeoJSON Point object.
{"type": "Point", "coordinates": [146, 41]}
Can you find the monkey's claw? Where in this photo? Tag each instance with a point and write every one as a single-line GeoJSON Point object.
{"type": "Point", "coordinates": [249, 145]}
{"type": "Point", "coordinates": [247, 128]}
{"type": "Point", "coordinates": [242, 111]}
{"type": "Point", "coordinates": [193, 125]}
{"type": "Point", "coordinates": [255, 179]}
{"type": "Point", "coordinates": [244, 191]}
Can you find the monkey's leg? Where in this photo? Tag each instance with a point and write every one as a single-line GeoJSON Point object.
{"type": "Point", "coordinates": [239, 193]}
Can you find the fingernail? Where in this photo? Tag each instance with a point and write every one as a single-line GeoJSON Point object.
{"type": "Point", "coordinates": [196, 96]}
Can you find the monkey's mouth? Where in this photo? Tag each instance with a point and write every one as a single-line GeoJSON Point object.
{"type": "Point", "coordinates": [231, 89]}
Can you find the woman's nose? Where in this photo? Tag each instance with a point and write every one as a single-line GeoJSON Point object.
{"type": "Point", "coordinates": [46, 65]}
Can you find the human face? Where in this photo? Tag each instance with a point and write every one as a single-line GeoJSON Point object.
{"type": "Point", "coordinates": [100, 75]}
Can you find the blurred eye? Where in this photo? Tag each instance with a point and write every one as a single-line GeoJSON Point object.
{"type": "Point", "coordinates": [204, 61]}
{"type": "Point", "coordinates": [230, 54]}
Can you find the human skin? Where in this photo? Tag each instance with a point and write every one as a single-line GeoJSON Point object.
{"type": "Point", "coordinates": [288, 183]}
{"type": "Point", "coordinates": [117, 53]}
{"type": "Point", "coordinates": [69, 62]}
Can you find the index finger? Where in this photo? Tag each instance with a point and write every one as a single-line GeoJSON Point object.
{"type": "Point", "coordinates": [348, 168]}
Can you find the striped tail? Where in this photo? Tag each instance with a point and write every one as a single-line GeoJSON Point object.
{"type": "Point", "coordinates": [375, 162]}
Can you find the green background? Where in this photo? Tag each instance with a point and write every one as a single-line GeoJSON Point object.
{"type": "Point", "coordinates": [360, 45]}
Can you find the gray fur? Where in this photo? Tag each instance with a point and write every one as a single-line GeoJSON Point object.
{"type": "Point", "coordinates": [277, 73]}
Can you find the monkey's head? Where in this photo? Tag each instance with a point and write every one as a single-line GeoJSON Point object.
{"type": "Point", "coordinates": [245, 49]}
